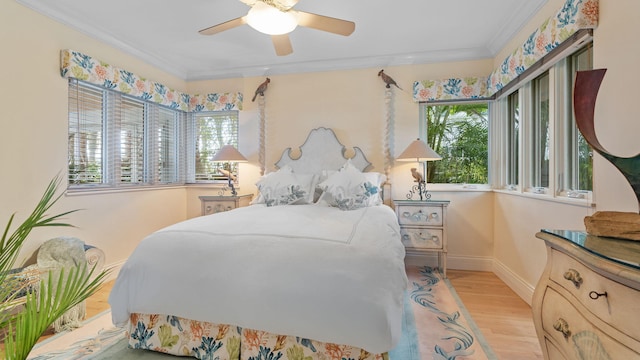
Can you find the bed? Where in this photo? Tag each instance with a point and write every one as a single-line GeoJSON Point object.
{"type": "Point", "coordinates": [300, 274]}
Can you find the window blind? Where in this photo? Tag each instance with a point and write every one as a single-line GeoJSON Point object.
{"type": "Point", "coordinates": [213, 131]}
{"type": "Point", "coordinates": [86, 128]}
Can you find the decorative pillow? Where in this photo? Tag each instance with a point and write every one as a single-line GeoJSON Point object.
{"type": "Point", "coordinates": [283, 187]}
{"type": "Point", "coordinates": [350, 189]}
{"type": "Point", "coordinates": [376, 180]}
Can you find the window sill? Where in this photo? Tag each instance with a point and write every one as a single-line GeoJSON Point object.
{"type": "Point", "coordinates": [110, 190]}
{"type": "Point", "coordinates": [587, 203]}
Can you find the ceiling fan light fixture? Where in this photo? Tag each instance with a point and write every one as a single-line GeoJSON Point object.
{"type": "Point", "coordinates": [269, 20]}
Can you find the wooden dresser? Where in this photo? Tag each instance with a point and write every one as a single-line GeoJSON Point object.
{"type": "Point", "coordinates": [587, 302]}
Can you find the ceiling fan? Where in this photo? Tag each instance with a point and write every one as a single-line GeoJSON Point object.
{"type": "Point", "coordinates": [278, 18]}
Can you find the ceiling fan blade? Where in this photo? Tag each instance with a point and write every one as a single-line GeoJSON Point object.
{"type": "Point", "coordinates": [224, 26]}
{"type": "Point", "coordinates": [282, 44]}
{"type": "Point", "coordinates": [326, 23]}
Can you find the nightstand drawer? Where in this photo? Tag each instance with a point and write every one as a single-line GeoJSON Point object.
{"type": "Point", "coordinates": [421, 238]}
{"type": "Point", "coordinates": [212, 207]}
{"type": "Point", "coordinates": [215, 204]}
{"type": "Point", "coordinates": [420, 215]}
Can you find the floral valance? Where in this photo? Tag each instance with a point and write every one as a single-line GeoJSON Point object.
{"type": "Point", "coordinates": [573, 16]}
{"type": "Point", "coordinates": [77, 65]}
{"type": "Point", "coordinates": [450, 89]}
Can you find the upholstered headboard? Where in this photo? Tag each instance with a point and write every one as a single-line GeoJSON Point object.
{"type": "Point", "coordinates": [322, 151]}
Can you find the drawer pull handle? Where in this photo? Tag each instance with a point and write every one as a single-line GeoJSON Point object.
{"type": "Point", "coordinates": [574, 276]}
{"type": "Point", "coordinates": [562, 326]}
{"type": "Point", "coordinates": [595, 295]}
{"type": "Point", "coordinates": [434, 215]}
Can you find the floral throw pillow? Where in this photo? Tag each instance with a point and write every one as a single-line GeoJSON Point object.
{"type": "Point", "coordinates": [350, 189]}
{"type": "Point", "coordinates": [287, 188]}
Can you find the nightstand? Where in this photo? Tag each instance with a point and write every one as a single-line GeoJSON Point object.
{"type": "Point", "coordinates": [216, 204]}
{"type": "Point", "coordinates": [423, 228]}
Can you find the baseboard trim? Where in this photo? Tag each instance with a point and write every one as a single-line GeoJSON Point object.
{"type": "Point", "coordinates": [473, 263]}
{"type": "Point", "coordinates": [515, 282]}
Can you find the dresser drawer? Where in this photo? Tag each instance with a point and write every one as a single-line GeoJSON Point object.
{"type": "Point", "coordinates": [575, 336]}
{"type": "Point", "coordinates": [620, 307]}
{"type": "Point", "coordinates": [552, 351]}
{"type": "Point", "coordinates": [420, 215]}
{"type": "Point", "coordinates": [421, 238]}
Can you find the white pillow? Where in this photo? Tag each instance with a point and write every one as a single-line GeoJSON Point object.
{"type": "Point", "coordinates": [283, 187]}
{"type": "Point", "coordinates": [350, 189]}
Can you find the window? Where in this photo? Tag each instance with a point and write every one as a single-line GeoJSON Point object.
{"type": "Point", "coordinates": [540, 132]}
{"type": "Point", "coordinates": [213, 131]}
{"type": "Point", "coordinates": [513, 142]}
{"type": "Point", "coordinates": [118, 141]}
{"type": "Point", "coordinates": [556, 160]}
{"type": "Point", "coordinates": [86, 127]}
{"type": "Point", "coordinates": [129, 166]}
{"type": "Point", "coordinates": [166, 138]}
{"type": "Point", "coordinates": [459, 133]}
{"type": "Point", "coordinates": [579, 168]}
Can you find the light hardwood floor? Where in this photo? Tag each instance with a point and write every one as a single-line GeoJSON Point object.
{"type": "Point", "coordinates": [504, 319]}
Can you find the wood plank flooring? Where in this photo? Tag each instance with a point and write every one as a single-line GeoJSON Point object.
{"type": "Point", "coordinates": [504, 319]}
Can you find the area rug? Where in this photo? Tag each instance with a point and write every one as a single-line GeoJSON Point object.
{"type": "Point", "coordinates": [435, 325]}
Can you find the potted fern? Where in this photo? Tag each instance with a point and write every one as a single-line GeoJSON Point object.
{"type": "Point", "coordinates": [42, 301]}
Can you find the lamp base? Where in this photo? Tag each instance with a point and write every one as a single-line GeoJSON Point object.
{"type": "Point", "coordinates": [233, 189]}
{"type": "Point", "coordinates": [421, 190]}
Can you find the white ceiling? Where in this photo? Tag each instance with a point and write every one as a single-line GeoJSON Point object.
{"type": "Point", "coordinates": [164, 33]}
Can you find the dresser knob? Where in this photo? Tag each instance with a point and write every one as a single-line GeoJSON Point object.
{"type": "Point", "coordinates": [595, 295]}
{"type": "Point", "coordinates": [574, 276]}
{"type": "Point", "coordinates": [562, 326]}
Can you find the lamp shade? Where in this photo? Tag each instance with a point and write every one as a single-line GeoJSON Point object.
{"type": "Point", "coordinates": [228, 153]}
{"type": "Point", "coordinates": [418, 151]}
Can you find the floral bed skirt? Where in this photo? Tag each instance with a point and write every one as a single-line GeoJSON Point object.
{"type": "Point", "coordinates": [203, 340]}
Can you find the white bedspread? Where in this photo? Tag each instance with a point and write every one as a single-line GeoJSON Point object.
{"type": "Point", "coordinates": [303, 270]}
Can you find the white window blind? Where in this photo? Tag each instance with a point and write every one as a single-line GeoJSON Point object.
{"type": "Point", "coordinates": [121, 141]}
{"type": "Point", "coordinates": [86, 128]}
{"type": "Point", "coordinates": [213, 130]}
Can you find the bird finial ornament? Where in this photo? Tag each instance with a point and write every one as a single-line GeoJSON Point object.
{"type": "Point", "coordinates": [417, 176]}
{"type": "Point", "coordinates": [387, 79]}
{"type": "Point", "coordinates": [261, 89]}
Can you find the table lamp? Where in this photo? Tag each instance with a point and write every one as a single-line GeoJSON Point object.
{"type": "Point", "coordinates": [229, 154]}
{"type": "Point", "coordinates": [419, 152]}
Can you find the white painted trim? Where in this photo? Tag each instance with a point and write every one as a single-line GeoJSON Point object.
{"type": "Point", "coordinates": [457, 262]}
{"type": "Point", "coordinates": [515, 282]}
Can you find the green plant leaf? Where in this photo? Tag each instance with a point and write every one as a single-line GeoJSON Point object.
{"type": "Point", "coordinates": [47, 301]}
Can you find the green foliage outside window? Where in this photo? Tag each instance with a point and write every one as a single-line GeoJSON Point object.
{"type": "Point", "coordinates": [459, 133]}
